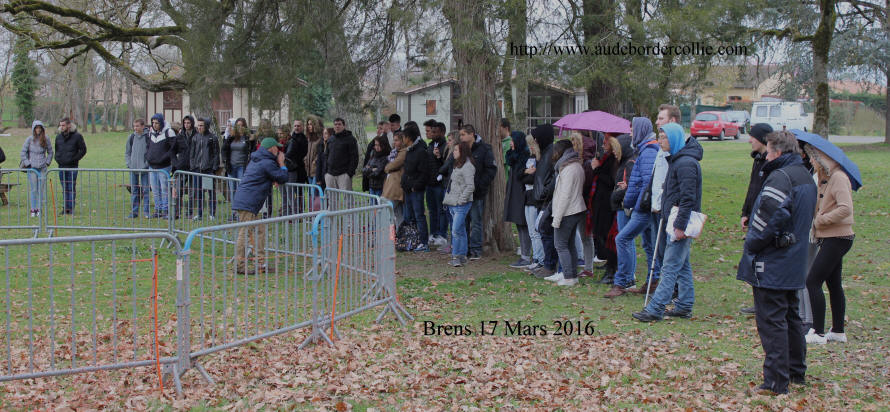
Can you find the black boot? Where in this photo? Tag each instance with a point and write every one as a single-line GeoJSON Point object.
{"type": "Point", "coordinates": [608, 277]}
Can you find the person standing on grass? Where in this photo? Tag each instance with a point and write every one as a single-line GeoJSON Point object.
{"type": "Point", "coordinates": [624, 153]}
{"type": "Point", "coordinates": [459, 199]}
{"type": "Point", "coordinates": [369, 153]}
{"type": "Point", "coordinates": [414, 180]}
{"type": "Point", "coordinates": [179, 160]}
{"type": "Point", "coordinates": [204, 159]}
{"type": "Point", "coordinates": [342, 157]}
{"type": "Point", "coordinates": [833, 230]}
{"type": "Point", "coordinates": [683, 189]}
{"type": "Point", "coordinates": [321, 164]}
{"type": "Point", "coordinates": [70, 148]}
{"type": "Point", "coordinates": [294, 155]}
{"type": "Point", "coordinates": [265, 168]}
{"type": "Point", "coordinates": [514, 200]}
{"type": "Point", "coordinates": [158, 156]}
{"type": "Point", "coordinates": [392, 186]}
{"type": "Point", "coordinates": [36, 154]}
{"type": "Point", "coordinates": [435, 189]}
{"type": "Point", "coordinates": [757, 139]}
{"type": "Point", "coordinates": [568, 211]}
{"type": "Point", "coordinates": [486, 169]}
{"type": "Point", "coordinates": [236, 151]}
{"type": "Point", "coordinates": [774, 260]}
{"type": "Point", "coordinates": [137, 145]}
{"type": "Point", "coordinates": [543, 195]}
{"type": "Point", "coordinates": [314, 132]}
{"type": "Point", "coordinates": [600, 222]}
{"type": "Point", "coordinates": [375, 169]}
{"type": "Point", "coordinates": [531, 208]}
{"type": "Point", "coordinates": [395, 125]}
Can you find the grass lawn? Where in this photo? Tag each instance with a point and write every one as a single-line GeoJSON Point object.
{"type": "Point", "coordinates": [610, 362]}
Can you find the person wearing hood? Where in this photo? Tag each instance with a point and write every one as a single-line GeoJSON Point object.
{"type": "Point", "coordinates": [342, 157]}
{"type": "Point", "coordinates": [414, 179]}
{"type": "Point", "coordinates": [517, 155]}
{"type": "Point", "coordinates": [70, 148]}
{"type": "Point", "coordinates": [36, 154]}
{"type": "Point", "coordinates": [137, 145]}
{"type": "Point", "coordinates": [204, 159]}
{"type": "Point", "coordinates": [161, 139]}
{"type": "Point", "coordinates": [543, 194]}
{"type": "Point", "coordinates": [757, 139]}
{"type": "Point", "coordinates": [179, 160]}
{"type": "Point", "coordinates": [266, 167]}
{"type": "Point", "coordinates": [641, 220]}
{"type": "Point", "coordinates": [774, 260]}
{"type": "Point", "coordinates": [682, 189]}
{"type": "Point", "coordinates": [568, 211]}
{"type": "Point", "coordinates": [586, 146]}
{"type": "Point", "coordinates": [486, 169]}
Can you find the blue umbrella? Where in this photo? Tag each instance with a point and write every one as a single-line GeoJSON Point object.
{"type": "Point", "coordinates": [835, 153]}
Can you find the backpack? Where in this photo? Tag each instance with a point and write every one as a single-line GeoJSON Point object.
{"type": "Point", "coordinates": [407, 237]}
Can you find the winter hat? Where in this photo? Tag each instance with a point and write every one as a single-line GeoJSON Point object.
{"type": "Point", "coordinates": [759, 132]}
{"type": "Point", "coordinates": [270, 142]}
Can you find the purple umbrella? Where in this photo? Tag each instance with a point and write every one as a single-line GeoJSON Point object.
{"type": "Point", "coordinates": [594, 120]}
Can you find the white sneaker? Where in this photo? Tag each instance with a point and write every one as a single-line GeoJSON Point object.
{"type": "Point", "coordinates": [598, 260]}
{"type": "Point", "coordinates": [440, 241]}
{"type": "Point", "coordinates": [836, 337]}
{"type": "Point", "coordinates": [814, 339]}
{"type": "Point", "coordinates": [567, 282]}
{"type": "Point", "coordinates": [556, 277]}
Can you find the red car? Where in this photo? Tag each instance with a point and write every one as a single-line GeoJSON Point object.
{"type": "Point", "coordinates": [713, 124]}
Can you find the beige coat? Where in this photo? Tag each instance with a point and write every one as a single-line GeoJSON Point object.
{"type": "Point", "coordinates": [312, 156]}
{"type": "Point", "coordinates": [567, 197]}
{"type": "Point", "coordinates": [834, 210]}
{"type": "Point", "coordinates": [392, 186]}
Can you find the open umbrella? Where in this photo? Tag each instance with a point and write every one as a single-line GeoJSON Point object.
{"type": "Point", "coordinates": [594, 120]}
{"type": "Point", "coordinates": [834, 152]}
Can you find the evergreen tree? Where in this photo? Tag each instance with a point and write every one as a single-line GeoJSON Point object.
{"type": "Point", "coordinates": [24, 80]}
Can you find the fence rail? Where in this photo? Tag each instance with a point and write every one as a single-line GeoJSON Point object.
{"type": "Point", "coordinates": [20, 195]}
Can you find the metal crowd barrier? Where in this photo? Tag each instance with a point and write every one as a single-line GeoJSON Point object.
{"type": "Point", "coordinates": [20, 189]}
{"type": "Point", "coordinates": [338, 199]}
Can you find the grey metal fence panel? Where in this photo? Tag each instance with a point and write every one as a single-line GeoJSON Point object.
{"type": "Point", "coordinates": [105, 199]}
{"type": "Point", "coordinates": [86, 303]}
{"type": "Point", "coordinates": [337, 199]}
{"type": "Point", "coordinates": [21, 191]}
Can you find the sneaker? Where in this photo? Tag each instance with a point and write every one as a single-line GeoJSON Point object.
{"type": "Point", "coordinates": [747, 311]}
{"type": "Point", "coordinates": [597, 260]}
{"type": "Point", "coordinates": [644, 316]}
{"type": "Point", "coordinates": [463, 260]}
{"type": "Point", "coordinates": [210, 218]}
{"type": "Point", "coordinates": [456, 262]}
{"type": "Point", "coordinates": [519, 264]}
{"type": "Point", "coordinates": [422, 248]}
{"type": "Point", "coordinates": [441, 241]}
{"type": "Point", "coordinates": [542, 272]}
{"type": "Point", "coordinates": [556, 277]}
{"type": "Point", "coordinates": [608, 277]}
{"type": "Point", "coordinates": [836, 337]}
{"type": "Point", "coordinates": [674, 313]}
{"type": "Point", "coordinates": [533, 266]}
{"type": "Point", "coordinates": [33, 213]}
{"type": "Point", "coordinates": [196, 218]}
{"type": "Point", "coordinates": [475, 255]}
{"type": "Point", "coordinates": [567, 282]}
{"type": "Point", "coordinates": [813, 338]}
{"type": "Point", "coordinates": [580, 263]}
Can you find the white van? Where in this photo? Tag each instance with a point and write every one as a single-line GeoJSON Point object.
{"type": "Point", "coordinates": [779, 115]}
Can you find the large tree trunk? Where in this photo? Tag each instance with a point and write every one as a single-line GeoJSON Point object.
{"type": "Point", "coordinates": [597, 22]}
{"type": "Point", "coordinates": [821, 47]}
{"type": "Point", "coordinates": [517, 20]}
{"type": "Point", "coordinates": [476, 66]}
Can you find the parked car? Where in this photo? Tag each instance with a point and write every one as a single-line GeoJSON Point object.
{"type": "Point", "coordinates": [782, 115]}
{"type": "Point", "coordinates": [713, 124]}
{"type": "Point", "coordinates": [740, 117]}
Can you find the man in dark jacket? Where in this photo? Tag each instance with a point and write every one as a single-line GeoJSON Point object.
{"type": "Point", "coordinates": [179, 161]}
{"type": "Point", "coordinates": [294, 154]}
{"type": "Point", "coordinates": [545, 182]}
{"type": "Point", "coordinates": [516, 156]}
{"type": "Point", "coordinates": [204, 159]}
{"type": "Point", "coordinates": [758, 153]}
{"type": "Point", "coordinates": [369, 153]}
{"type": "Point", "coordinates": [266, 166]}
{"type": "Point", "coordinates": [70, 148]}
{"type": "Point", "coordinates": [342, 157]}
{"type": "Point", "coordinates": [486, 169]}
{"type": "Point", "coordinates": [435, 190]}
{"type": "Point", "coordinates": [395, 126]}
{"type": "Point", "coordinates": [774, 260]}
{"type": "Point", "coordinates": [415, 176]}
{"type": "Point", "coordinates": [158, 156]}
{"type": "Point", "coordinates": [682, 188]}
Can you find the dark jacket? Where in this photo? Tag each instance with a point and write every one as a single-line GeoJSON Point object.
{"type": "Point", "coordinates": [256, 184]}
{"type": "Point", "coordinates": [179, 153]}
{"type": "Point", "coordinates": [755, 183]}
{"type": "Point", "coordinates": [417, 167]}
{"type": "Point", "coordinates": [786, 204]}
{"type": "Point", "coordinates": [486, 169]}
{"type": "Point", "coordinates": [623, 172]}
{"type": "Point", "coordinates": [598, 197]}
{"type": "Point", "coordinates": [204, 153]}
{"type": "Point", "coordinates": [321, 166]}
{"type": "Point", "coordinates": [227, 154]}
{"type": "Point", "coordinates": [296, 150]}
{"type": "Point", "coordinates": [70, 148]}
{"type": "Point", "coordinates": [436, 162]}
{"type": "Point", "coordinates": [342, 154]}
{"type": "Point", "coordinates": [374, 170]}
{"type": "Point", "coordinates": [640, 175]}
{"type": "Point", "coordinates": [514, 200]}
{"type": "Point", "coordinates": [682, 186]}
{"type": "Point", "coordinates": [369, 152]}
{"type": "Point", "coordinates": [544, 173]}
{"type": "Point", "coordinates": [160, 144]}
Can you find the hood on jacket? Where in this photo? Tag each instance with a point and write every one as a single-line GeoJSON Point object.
{"type": "Point", "coordinates": [626, 147]}
{"type": "Point", "coordinates": [519, 143]}
{"type": "Point", "coordinates": [692, 149]}
{"type": "Point", "coordinates": [34, 125]}
{"type": "Point", "coordinates": [194, 125]}
{"type": "Point", "coordinates": [642, 128]}
{"type": "Point", "coordinates": [675, 136]}
{"type": "Point", "coordinates": [543, 135]}
{"type": "Point", "coordinates": [160, 118]}
{"type": "Point", "coordinates": [570, 156]}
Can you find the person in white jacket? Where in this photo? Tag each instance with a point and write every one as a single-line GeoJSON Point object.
{"type": "Point", "coordinates": [569, 210]}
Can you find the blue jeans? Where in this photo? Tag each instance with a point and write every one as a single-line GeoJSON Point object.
{"type": "Point", "coordinates": [550, 256]}
{"type": "Point", "coordinates": [236, 172]}
{"type": "Point", "coordinates": [159, 188]}
{"type": "Point", "coordinates": [638, 223]}
{"type": "Point", "coordinates": [438, 219]}
{"type": "Point", "coordinates": [459, 228]}
{"type": "Point", "coordinates": [414, 213]}
{"type": "Point", "coordinates": [139, 187]}
{"type": "Point", "coordinates": [476, 225]}
{"type": "Point", "coordinates": [675, 270]}
{"type": "Point", "coordinates": [196, 196]}
{"type": "Point", "coordinates": [34, 189]}
{"type": "Point", "coordinates": [531, 214]}
{"type": "Point", "coordinates": [69, 188]}
{"type": "Point", "coordinates": [375, 192]}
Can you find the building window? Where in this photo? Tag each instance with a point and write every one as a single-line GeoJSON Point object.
{"type": "Point", "coordinates": [172, 100]}
{"type": "Point", "coordinates": [735, 98]}
{"type": "Point", "coordinates": [400, 105]}
{"type": "Point", "coordinates": [430, 107]}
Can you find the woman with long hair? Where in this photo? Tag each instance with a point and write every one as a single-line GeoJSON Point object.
{"type": "Point", "coordinates": [375, 169]}
{"type": "Point", "coordinates": [314, 128]}
{"type": "Point", "coordinates": [459, 199]}
{"type": "Point", "coordinates": [600, 216]}
{"type": "Point", "coordinates": [567, 211]}
{"type": "Point", "coordinates": [833, 230]}
{"type": "Point", "coordinates": [37, 154]}
{"type": "Point", "coordinates": [236, 151]}
{"type": "Point", "coordinates": [531, 208]}
{"type": "Point", "coordinates": [322, 155]}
